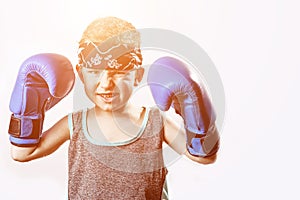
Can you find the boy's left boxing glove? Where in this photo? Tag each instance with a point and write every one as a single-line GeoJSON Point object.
{"type": "Point", "coordinates": [43, 80]}
{"type": "Point", "coordinates": [171, 83]}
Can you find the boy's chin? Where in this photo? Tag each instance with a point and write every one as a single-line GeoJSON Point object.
{"type": "Point", "coordinates": [111, 107]}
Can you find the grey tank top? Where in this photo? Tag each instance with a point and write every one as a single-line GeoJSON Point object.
{"type": "Point", "coordinates": [129, 170]}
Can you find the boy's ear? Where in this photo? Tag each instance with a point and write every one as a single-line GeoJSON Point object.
{"type": "Point", "coordinates": [139, 76]}
{"type": "Point", "coordinates": [78, 69]}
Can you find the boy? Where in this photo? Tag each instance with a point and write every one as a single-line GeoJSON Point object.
{"type": "Point", "coordinates": [115, 149]}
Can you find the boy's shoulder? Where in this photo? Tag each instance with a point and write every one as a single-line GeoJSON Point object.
{"type": "Point", "coordinates": [155, 110]}
{"type": "Point", "coordinates": [155, 115]}
{"type": "Point", "coordinates": [76, 115]}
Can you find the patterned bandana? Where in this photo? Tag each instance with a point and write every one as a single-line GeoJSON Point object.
{"type": "Point", "coordinates": [119, 52]}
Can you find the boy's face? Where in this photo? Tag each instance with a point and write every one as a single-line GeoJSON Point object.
{"type": "Point", "coordinates": [110, 89]}
{"type": "Point", "coordinates": [109, 71]}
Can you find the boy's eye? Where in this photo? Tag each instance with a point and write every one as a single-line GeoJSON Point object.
{"type": "Point", "coordinates": [94, 72]}
{"type": "Point", "coordinates": [111, 73]}
{"type": "Point", "coordinates": [121, 72]}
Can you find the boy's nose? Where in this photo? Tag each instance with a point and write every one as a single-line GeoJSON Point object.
{"type": "Point", "coordinates": [106, 80]}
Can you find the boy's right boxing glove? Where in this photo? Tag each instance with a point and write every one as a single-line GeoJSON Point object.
{"type": "Point", "coordinates": [43, 80]}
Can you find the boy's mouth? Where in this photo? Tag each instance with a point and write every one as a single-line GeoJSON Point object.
{"type": "Point", "coordinates": [108, 97]}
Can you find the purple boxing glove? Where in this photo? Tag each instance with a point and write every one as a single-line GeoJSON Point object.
{"type": "Point", "coordinates": [43, 80]}
{"type": "Point", "coordinates": [171, 84]}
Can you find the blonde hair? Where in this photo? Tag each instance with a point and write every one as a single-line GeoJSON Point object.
{"type": "Point", "coordinates": [102, 29]}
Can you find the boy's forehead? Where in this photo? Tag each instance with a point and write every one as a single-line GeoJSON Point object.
{"type": "Point", "coordinates": [111, 52]}
{"type": "Point", "coordinates": [94, 52]}
{"type": "Point", "coordinates": [124, 62]}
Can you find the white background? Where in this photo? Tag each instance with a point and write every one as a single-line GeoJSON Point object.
{"type": "Point", "coordinates": [254, 45]}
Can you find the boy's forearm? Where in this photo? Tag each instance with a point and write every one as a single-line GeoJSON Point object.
{"type": "Point", "coordinates": [22, 154]}
{"type": "Point", "coordinates": [51, 140]}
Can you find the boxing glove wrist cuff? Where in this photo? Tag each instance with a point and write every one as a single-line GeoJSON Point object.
{"type": "Point", "coordinates": [21, 142]}
{"type": "Point", "coordinates": [25, 130]}
{"type": "Point", "coordinates": [203, 144]}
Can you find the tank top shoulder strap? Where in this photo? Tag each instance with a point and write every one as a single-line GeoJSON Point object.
{"type": "Point", "coordinates": [75, 121]}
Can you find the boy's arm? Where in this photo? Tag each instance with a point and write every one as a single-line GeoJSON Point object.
{"type": "Point", "coordinates": [49, 142]}
{"type": "Point", "coordinates": [174, 136]}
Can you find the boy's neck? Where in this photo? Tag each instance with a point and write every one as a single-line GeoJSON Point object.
{"type": "Point", "coordinates": [130, 112]}
{"type": "Point", "coordinates": [125, 110]}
